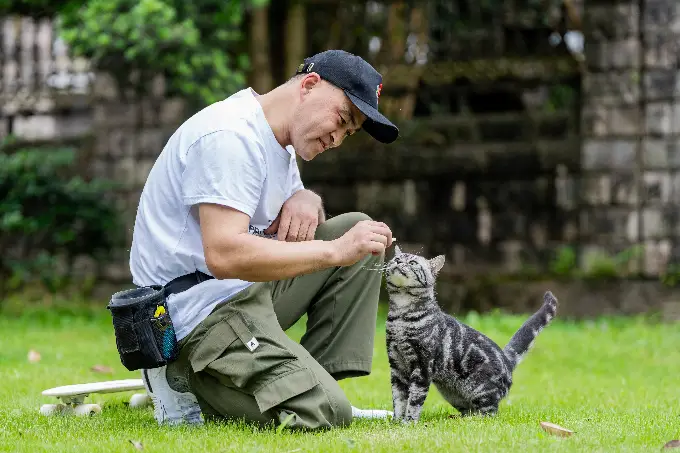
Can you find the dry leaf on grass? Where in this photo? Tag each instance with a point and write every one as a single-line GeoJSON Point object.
{"type": "Point", "coordinates": [672, 444]}
{"type": "Point", "coordinates": [102, 369]}
{"type": "Point", "coordinates": [138, 445]}
{"type": "Point", "coordinates": [33, 356]}
{"type": "Point", "coordinates": [556, 430]}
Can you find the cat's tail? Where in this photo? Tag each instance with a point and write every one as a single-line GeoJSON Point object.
{"type": "Point", "coordinates": [521, 341]}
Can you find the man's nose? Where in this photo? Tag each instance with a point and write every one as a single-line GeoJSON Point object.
{"type": "Point", "coordinates": [336, 139]}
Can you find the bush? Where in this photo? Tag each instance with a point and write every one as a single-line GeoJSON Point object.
{"type": "Point", "coordinates": [48, 217]}
{"type": "Point", "coordinates": [198, 45]}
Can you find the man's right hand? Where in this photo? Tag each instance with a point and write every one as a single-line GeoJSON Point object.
{"type": "Point", "coordinates": [364, 238]}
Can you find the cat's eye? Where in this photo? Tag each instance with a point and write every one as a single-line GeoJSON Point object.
{"type": "Point", "coordinates": [413, 262]}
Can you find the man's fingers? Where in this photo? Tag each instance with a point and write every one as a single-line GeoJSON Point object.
{"type": "Point", "coordinates": [302, 232]}
{"type": "Point", "coordinates": [294, 229]}
{"type": "Point", "coordinates": [284, 225]}
{"type": "Point", "coordinates": [384, 231]}
{"type": "Point", "coordinates": [271, 229]}
{"type": "Point", "coordinates": [312, 231]}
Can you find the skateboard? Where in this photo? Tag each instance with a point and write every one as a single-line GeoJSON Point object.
{"type": "Point", "coordinates": [73, 396]}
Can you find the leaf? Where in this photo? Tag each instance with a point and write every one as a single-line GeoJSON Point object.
{"type": "Point", "coordinates": [672, 444]}
{"type": "Point", "coordinates": [285, 422]}
{"type": "Point", "coordinates": [556, 430]}
{"type": "Point", "coordinates": [137, 444]}
{"type": "Point", "coordinates": [102, 369]}
{"type": "Point", "coordinates": [33, 356]}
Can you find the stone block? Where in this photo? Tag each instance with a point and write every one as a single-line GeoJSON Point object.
{"type": "Point", "coordinates": [624, 188]}
{"type": "Point", "coordinates": [624, 121]}
{"type": "Point", "coordinates": [661, 49]}
{"type": "Point", "coordinates": [656, 256]}
{"type": "Point", "coordinates": [611, 20]}
{"type": "Point", "coordinates": [566, 189]}
{"type": "Point", "coordinates": [674, 190]}
{"type": "Point", "coordinates": [656, 188]}
{"type": "Point", "coordinates": [149, 112]}
{"type": "Point", "coordinates": [609, 154]}
{"type": "Point", "coordinates": [36, 127]}
{"type": "Point", "coordinates": [596, 189]}
{"type": "Point", "coordinates": [661, 15]}
{"type": "Point", "coordinates": [115, 114]}
{"type": "Point", "coordinates": [121, 143]}
{"type": "Point", "coordinates": [104, 87]}
{"type": "Point", "coordinates": [142, 170]}
{"type": "Point", "coordinates": [611, 88]}
{"type": "Point", "coordinates": [124, 171]}
{"type": "Point", "coordinates": [674, 152]}
{"type": "Point", "coordinates": [653, 224]}
{"type": "Point", "coordinates": [172, 112]}
{"type": "Point", "coordinates": [150, 142]}
{"type": "Point", "coordinates": [624, 54]}
{"type": "Point", "coordinates": [659, 118]}
{"type": "Point", "coordinates": [655, 153]}
{"type": "Point", "coordinates": [52, 127]}
{"type": "Point", "coordinates": [595, 120]}
{"type": "Point", "coordinates": [661, 83]}
{"type": "Point", "coordinates": [613, 223]}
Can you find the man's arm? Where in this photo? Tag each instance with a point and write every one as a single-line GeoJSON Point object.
{"type": "Point", "coordinates": [231, 252]}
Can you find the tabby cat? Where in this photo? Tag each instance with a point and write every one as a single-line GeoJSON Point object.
{"type": "Point", "coordinates": [426, 345]}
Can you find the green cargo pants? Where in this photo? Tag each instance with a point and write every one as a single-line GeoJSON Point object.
{"type": "Point", "coordinates": [241, 365]}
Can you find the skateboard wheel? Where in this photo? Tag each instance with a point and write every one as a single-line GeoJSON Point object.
{"type": "Point", "coordinates": [55, 409]}
{"type": "Point", "coordinates": [50, 409]}
{"type": "Point", "coordinates": [140, 400]}
{"type": "Point", "coordinates": [87, 410]}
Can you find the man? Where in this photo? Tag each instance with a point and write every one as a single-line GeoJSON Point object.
{"type": "Point", "coordinates": [245, 250]}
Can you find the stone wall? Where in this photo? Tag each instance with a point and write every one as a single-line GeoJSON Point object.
{"type": "Point", "coordinates": [631, 122]}
{"type": "Point", "coordinates": [502, 159]}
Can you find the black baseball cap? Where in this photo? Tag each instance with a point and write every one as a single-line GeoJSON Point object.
{"type": "Point", "coordinates": [361, 83]}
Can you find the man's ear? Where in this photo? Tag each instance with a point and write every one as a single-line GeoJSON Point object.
{"type": "Point", "coordinates": [308, 82]}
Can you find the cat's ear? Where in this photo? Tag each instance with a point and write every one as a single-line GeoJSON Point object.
{"type": "Point", "coordinates": [436, 264]}
{"type": "Point", "coordinates": [397, 250]}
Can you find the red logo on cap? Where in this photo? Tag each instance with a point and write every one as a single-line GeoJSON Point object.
{"type": "Point", "coordinates": [377, 92]}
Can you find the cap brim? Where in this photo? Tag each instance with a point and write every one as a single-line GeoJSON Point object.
{"type": "Point", "coordinates": [377, 126]}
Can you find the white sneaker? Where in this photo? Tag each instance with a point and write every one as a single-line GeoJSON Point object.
{"type": "Point", "coordinates": [370, 413]}
{"type": "Point", "coordinates": [170, 406]}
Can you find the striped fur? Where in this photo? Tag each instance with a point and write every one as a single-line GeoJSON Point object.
{"type": "Point", "coordinates": [427, 346]}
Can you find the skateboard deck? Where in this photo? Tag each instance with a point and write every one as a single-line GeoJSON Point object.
{"type": "Point", "coordinates": [73, 396]}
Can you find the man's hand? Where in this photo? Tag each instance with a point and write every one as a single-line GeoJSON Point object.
{"type": "Point", "coordinates": [299, 217]}
{"type": "Point", "coordinates": [366, 237]}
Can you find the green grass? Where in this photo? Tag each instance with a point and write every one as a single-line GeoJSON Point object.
{"type": "Point", "coordinates": [615, 382]}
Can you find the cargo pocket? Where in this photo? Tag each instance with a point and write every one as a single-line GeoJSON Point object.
{"type": "Point", "coordinates": [242, 356]}
{"type": "Point", "coordinates": [292, 379]}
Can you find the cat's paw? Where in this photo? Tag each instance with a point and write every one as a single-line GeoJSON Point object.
{"type": "Point", "coordinates": [409, 421]}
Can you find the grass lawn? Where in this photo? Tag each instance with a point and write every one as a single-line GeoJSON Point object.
{"type": "Point", "coordinates": [615, 382]}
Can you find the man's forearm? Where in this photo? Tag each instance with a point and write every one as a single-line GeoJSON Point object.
{"type": "Point", "coordinates": [257, 259]}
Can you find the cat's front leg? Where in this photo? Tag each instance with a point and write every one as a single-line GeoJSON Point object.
{"type": "Point", "coordinates": [417, 393]}
{"type": "Point", "coordinates": [399, 394]}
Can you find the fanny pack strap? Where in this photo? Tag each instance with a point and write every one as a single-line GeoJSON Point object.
{"type": "Point", "coordinates": [184, 282]}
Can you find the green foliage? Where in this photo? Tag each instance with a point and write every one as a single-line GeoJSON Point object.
{"type": "Point", "coordinates": [596, 265]}
{"type": "Point", "coordinates": [199, 45]}
{"type": "Point", "coordinates": [49, 217]}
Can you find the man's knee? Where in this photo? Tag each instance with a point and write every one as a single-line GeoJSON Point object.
{"type": "Point", "coordinates": [321, 407]}
{"type": "Point", "coordinates": [336, 226]}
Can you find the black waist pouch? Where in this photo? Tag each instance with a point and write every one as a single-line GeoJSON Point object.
{"type": "Point", "coordinates": [145, 335]}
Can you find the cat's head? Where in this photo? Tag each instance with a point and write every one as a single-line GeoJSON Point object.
{"type": "Point", "coordinates": [406, 270]}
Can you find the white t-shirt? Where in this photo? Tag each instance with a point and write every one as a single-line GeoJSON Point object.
{"type": "Point", "coordinates": [225, 154]}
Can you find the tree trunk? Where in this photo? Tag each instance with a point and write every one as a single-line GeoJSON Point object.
{"type": "Point", "coordinates": [296, 27]}
{"type": "Point", "coordinates": [261, 74]}
{"type": "Point", "coordinates": [295, 44]}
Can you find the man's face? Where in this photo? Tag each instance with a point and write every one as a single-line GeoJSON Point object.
{"type": "Point", "coordinates": [323, 118]}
